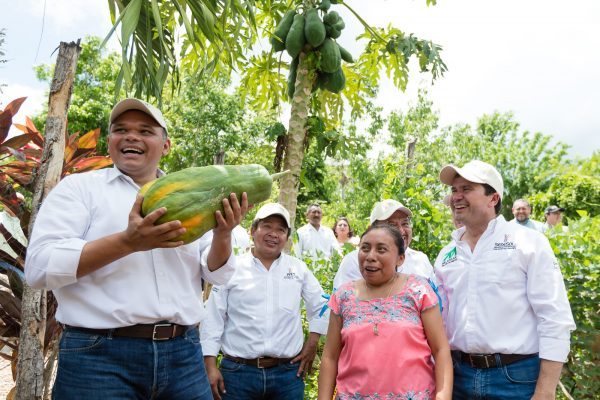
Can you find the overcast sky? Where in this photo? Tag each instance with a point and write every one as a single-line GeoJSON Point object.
{"type": "Point", "coordinates": [537, 58]}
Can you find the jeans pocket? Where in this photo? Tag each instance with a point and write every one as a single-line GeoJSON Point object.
{"type": "Point", "coordinates": [78, 341]}
{"type": "Point", "coordinates": [229, 366]}
{"type": "Point", "coordinates": [192, 336]}
{"type": "Point", "coordinates": [525, 371]}
{"type": "Point", "coordinates": [289, 366]}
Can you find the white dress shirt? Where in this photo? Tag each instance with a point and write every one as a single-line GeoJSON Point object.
{"type": "Point", "coordinates": [257, 313]}
{"type": "Point", "coordinates": [315, 243]}
{"type": "Point", "coordinates": [143, 287]}
{"type": "Point", "coordinates": [507, 295]}
{"type": "Point", "coordinates": [415, 262]}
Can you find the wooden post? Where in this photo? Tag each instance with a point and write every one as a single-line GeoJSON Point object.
{"type": "Point", "coordinates": [30, 366]}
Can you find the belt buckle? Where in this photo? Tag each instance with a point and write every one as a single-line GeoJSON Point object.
{"type": "Point", "coordinates": [160, 326]}
{"type": "Point", "coordinates": [258, 362]}
{"type": "Point", "coordinates": [485, 358]}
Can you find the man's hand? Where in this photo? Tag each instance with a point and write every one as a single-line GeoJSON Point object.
{"type": "Point", "coordinates": [141, 233]}
{"type": "Point", "coordinates": [233, 214]}
{"type": "Point", "coordinates": [217, 384]}
{"type": "Point", "coordinates": [307, 355]}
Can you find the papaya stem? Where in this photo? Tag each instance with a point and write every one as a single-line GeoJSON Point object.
{"type": "Point", "coordinates": [280, 174]}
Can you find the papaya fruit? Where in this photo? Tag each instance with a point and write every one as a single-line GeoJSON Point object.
{"type": "Point", "coordinates": [314, 29]}
{"type": "Point", "coordinates": [346, 56]}
{"type": "Point", "coordinates": [325, 4]}
{"type": "Point", "coordinates": [291, 82]}
{"type": "Point", "coordinates": [295, 37]}
{"type": "Point", "coordinates": [331, 18]}
{"type": "Point", "coordinates": [193, 195]}
{"type": "Point", "coordinates": [281, 31]}
{"type": "Point", "coordinates": [331, 32]}
{"type": "Point", "coordinates": [334, 82]}
{"type": "Point", "coordinates": [331, 58]}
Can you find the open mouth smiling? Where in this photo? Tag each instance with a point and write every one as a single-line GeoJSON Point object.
{"type": "Point", "coordinates": [132, 150]}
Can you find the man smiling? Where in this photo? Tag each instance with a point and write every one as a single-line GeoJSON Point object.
{"type": "Point", "coordinates": [129, 297]}
{"type": "Point", "coordinates": [507, 318]}
{"type": "Point", "coordinates": [255, 320]}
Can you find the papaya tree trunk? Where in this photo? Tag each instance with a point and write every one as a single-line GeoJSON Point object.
{"type": "Point", "coordinates": [294, 152]}
{"type": "Point", "coordinates": [30, 365]}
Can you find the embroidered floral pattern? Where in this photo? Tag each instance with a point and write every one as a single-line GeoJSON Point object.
{"type": "Point", "coordinates": [411, 395]}
{"type": "Point", "coordinates": [402, 306]}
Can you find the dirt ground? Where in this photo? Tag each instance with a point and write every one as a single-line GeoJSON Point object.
{"type": "Point", "coordinates": [6, 382]}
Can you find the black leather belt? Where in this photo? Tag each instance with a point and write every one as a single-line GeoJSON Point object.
{"type": "Point", "coordinates": [260, 362]}
{"type": "Point", "coordinates": [490, 360]}
{"type": "Point", "coordinates": [159, 331]}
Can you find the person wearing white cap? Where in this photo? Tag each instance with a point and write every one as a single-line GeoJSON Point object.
{"type": "Point", "coordinates": [315, 240]}
{"type": "Point", "coordinates": [255, 321]}
{"type": "Point", "coordinates": [129, 297]}
{"type": "Point", "coordinates": [506, 311]}
{"type": "Point", "coordinates": [415, 262]}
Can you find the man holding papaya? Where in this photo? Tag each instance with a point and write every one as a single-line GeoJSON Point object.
{"type": "Point", "coordinates": [129, 297]}
{"type": "Point", "coordinates": [255, 322]}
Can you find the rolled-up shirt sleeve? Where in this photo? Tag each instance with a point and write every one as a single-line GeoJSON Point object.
{"type": "Point", "coordinates": [221, 275]}
{"type": "Point", "coordinates": [312, 293]}
{"type": "Point", "coordinates": [548, 298]}
{"type": "Point", "coordinates": [57, 238]}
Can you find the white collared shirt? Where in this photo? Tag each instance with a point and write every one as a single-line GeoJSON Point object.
{"type": "Point", "coordinates": [507, 295]}
{"type": "Point", "coordinates": [257, 313]}
{"type": "Point", "coordinates": [315, 243]}
{"type": "Point", "coordinates": [415, 262]}
{"type": "Point", "coordinates": [143, 287]}
{"type": "Point", "coordinates": [240, 240]}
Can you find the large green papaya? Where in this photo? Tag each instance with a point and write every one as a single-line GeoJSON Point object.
{"type": "Point", "coordinates": [331, 58]}
{"type": "Point", "coordinates": [193, 195]}
{"type": "Point", "coordinates": [314, 29]}
{"type": "Point", "coordinates": [295, 37]}
{"type": "Point", "coordinates": [281, 31]}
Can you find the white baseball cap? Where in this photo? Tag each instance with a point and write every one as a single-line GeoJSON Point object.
{"type": "Point", "coordinates": [384, 209]}
{"type": "Point", "coordinates": [273, 209]}
{"type": "Point", "coordinates": [474, 171]}
{"type": "Point", "coordinates": [140, 105]}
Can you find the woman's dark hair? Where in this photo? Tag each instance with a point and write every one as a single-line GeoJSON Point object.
{"type": "Point", "coordinates": [350, 230]}
{"type": "Point", "coordinates": [392, 230]}
{"type": "Point", "coordinates": [489, 190]}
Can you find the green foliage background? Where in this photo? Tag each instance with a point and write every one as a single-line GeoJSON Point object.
{"type": "Point", "coordinates": [350, 166]}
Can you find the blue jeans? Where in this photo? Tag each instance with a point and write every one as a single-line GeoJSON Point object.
{"type": "Point", "coordinates": [245, 382]}
{"type": "Point", "coordinates": [102, 367]}
{"type": "Point", "coordinates": [513, 381]}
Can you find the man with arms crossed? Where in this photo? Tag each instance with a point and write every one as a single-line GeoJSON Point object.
{"type": "Point", "coordinates": [507, 317]}
{"type": "Point", "coordinates": [128, 296]}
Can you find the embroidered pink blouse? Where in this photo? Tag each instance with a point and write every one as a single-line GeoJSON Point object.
{"type": "Point", "coordinates": [385, 354]}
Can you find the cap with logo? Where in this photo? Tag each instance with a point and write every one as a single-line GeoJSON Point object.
{"type": "Point", "coordinates": [140, 105]}
{"type": "Point", "coordinates": [384, 209]}
{"type": "Point", "coordinates": [273, 209]}
{"type": "Point", "coordinates": [474, 171]}
{"type": "Point", "coordinates": [553, 209]}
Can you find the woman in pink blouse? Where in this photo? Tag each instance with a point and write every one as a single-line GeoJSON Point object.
{"type": "Point", "coordinates": [384, 330]}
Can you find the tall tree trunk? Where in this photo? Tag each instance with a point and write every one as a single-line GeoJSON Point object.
{"type": "Point", "coordinates": [294, 153]}
{"type": "Point", "coordinates": [30, 366]}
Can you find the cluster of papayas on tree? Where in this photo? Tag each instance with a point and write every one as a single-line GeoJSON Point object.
{"type": "Point", "coordinates": [314, 29]}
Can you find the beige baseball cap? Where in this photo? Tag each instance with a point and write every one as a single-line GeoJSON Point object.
{"type": "Point", "coordinates": [273, 209]}
{"type": "Point", "coordinates": [384, 209]}
{"type": "Point", "coordinates": [474, 171]}
{"type": "Point", "coordinates": [140, 105]}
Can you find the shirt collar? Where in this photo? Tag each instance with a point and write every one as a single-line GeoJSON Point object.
{"type": "Point", "coordinates": [116, 173]}
{"type": "Point", "coordinates": [496, 222]}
